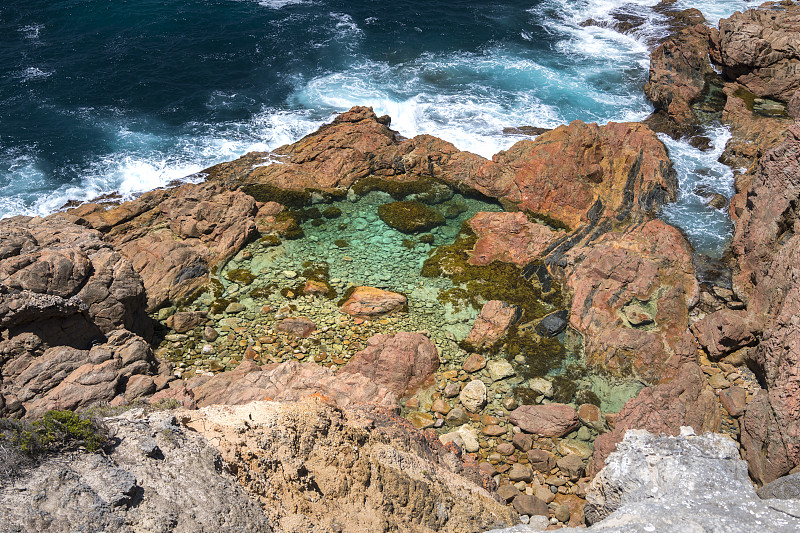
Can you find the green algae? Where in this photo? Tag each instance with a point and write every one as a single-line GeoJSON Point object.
{"type": "Point", "coordinates": [475, 285]}
{"type": "Point", "coordinates": [317, 222]}
{"type": "Point", "coordinates": [270, 240]}
{"type": "Point", "coordinates": [341, 243]}
{"type": "Point", "coordinates": [219, 305]}
{"type": "Point", "coordinates": [408, 243]}
{"type": "Point", "coordinates": [426, 238]}
{"type": "Point", "coordinates": [410, 217]}
{"type": "Point", "coordinates": [263, 192]}
{"type": "Point", "coordinates": [263, 292]}
{"type": "Point", "coordinates": [332, 212]}
{"type": "Point", "coordinates": [316, 270]}
{"type": "Point", "coordinates": [241, 276]}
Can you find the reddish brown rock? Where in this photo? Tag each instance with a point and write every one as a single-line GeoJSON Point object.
{"type": "Point", "coordinates": [687, 400]}
{"type": "Point", "coordinates": [185, 320]}
{"type": "Point", "coordinates": [297, 326]}
{"type": "Point", "coordinates": [541, 460]}
{"type": "Point", "coordinates": [571, 174]}
{"type": "Point", "coordinates": [761, 49]}
{"type": "Point", "coordinates": [69, 287]}
{"type": "Point", "coordinates": [549, 420]}
{"type": "Point", "coordinates": [679, 68]}
{"type": "Point", "coordinates": [765, 449]}
{"type": "Point", "coordinates": [174, 237]}
{"type": "Point", "coordinates": [289, 381]}
{"type": "Point", "coordinates": [67, 378]}
{"type": "Point", "coordinates": [509, 237]}
{"type": "Point", "coordinates": [400, 362]}
{"type": "Point", "coordinates": [368, 302]}
{"type": "Point", "coordinates": [474, 363]}
{"type": "Point", "coordinates": [725, 331]}
{"type": "Point", "coordinates": [645, 270]}
{"type": "Point", "coordinates": [733, 400]}
{"type": "Point", "coordinates": [492, 324]}
{"type": "Point", "coordinates": [581, 172]}
{"type": "Point", "coordinates": [335, 156]}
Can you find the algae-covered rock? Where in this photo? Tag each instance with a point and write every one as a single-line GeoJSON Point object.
{"type": "Point", "coordinates": [410, 217]}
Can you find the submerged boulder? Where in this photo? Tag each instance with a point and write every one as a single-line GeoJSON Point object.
{"type": "Point", "coordinates": [368, 302]}
{"type": "Point", "coordinates": [410, 217]}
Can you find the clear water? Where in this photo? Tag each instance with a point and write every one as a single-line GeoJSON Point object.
{"type": "Point", "coordinates": [121, 97]}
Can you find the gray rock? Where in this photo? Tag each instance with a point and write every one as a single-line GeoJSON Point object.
{"type": "Point", "coordinates": [552, 324]}
{"type": "Point", "coordinates": [184, 489]}
{"type": "Point", "coordinates": [473, 397]}
{"type": "Point", "coordinates": [784, 488]}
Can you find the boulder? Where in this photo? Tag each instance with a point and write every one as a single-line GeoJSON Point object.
{"type": "Point", "coordinates": [368, 302]}
{"type": "Point", "coordinates": [632, 294]}
{"type": "Point", "coordinates": [473, 396]}
{"type": "Point", "coordinates": [725, 331]}
{"type": "Point", "coordinates": [300, 327]}
{"type": "Point", "coordinates": [174, 237]}
{"type": "Point", "coordinates": [400, 362]}
{"type": "Point", "coordinates": [686, 400]}
{"type": "Point", "coordinates": [185, 321]}
{"type": "Point", "coordinates": [680, 483]}
{"type": "Point", "coordinates": [508, 237]}
{"type": "Point", "coordinates": [549, 420]}
{"type": "Point", "coordinates": [492, 324]}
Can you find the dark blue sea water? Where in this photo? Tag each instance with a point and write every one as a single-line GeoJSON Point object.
{"type": "Point", "coordinates": [101, 96]}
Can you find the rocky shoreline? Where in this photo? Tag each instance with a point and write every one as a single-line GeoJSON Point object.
{"type": "Point", "coordinates": [366, 332]}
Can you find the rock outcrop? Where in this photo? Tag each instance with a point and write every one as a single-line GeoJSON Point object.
{"type": "Point", "coordinates": [174, 237]}
{"type": "Point", "coordinates": [401, 362]}
{"type": "Point", "coordinates": [632, 291]}
{"type": "Point", "coordinates": [510, 238]}
{"type": "Point", "coordinates": [765, 246]}
{"type": "Point", "coordinates": [315, 467]}
{"type": "Point", "coordinates": [67, 302]}
{"type": "Point", "coordinates": [64, 284]}
{"type": "Point", "coordinates": [158, 477]}
{"type": "Point", "coordinates": [570, 174]}
{"type": "Point", "coordinates": [680, 483]}
{"type": "Point", "coordinates": [686, 400]}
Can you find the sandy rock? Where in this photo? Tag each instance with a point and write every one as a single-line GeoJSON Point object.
{"type": "Point", "coordinates": [387, 462]}
{"type": "Point", "coordinates": [549, 420]}
{"type": "Point", "coordinates": [368, 302]}
{"type": "Point", "coordinates": [289, 381]}
{"type": "Point", "coordinates": [473, 396]}
{"type": "Point", "coordinates": [400, 362]}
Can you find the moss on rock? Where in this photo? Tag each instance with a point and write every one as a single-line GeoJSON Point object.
{"type": "Point", "coordinates": [410, 217]}
{"type": "Point", "coordinates": [241, 276]}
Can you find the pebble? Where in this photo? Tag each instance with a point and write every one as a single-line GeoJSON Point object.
{"type": "Point", "coordinates": [473, 397]}
{"type": "Point", "coordinates": [289, 274]}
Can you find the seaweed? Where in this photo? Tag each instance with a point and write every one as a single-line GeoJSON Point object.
{"type": "Point", "coordinates": [241, 276]}
{"type": "Point", "coordinates": [410, 217]}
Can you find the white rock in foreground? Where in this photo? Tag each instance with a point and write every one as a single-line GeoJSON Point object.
{"type": "Point", "coordinates": [678, 484]}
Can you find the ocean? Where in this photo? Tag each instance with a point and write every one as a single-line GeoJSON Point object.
{"type": "Point", "coordinates": [100, 97]}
